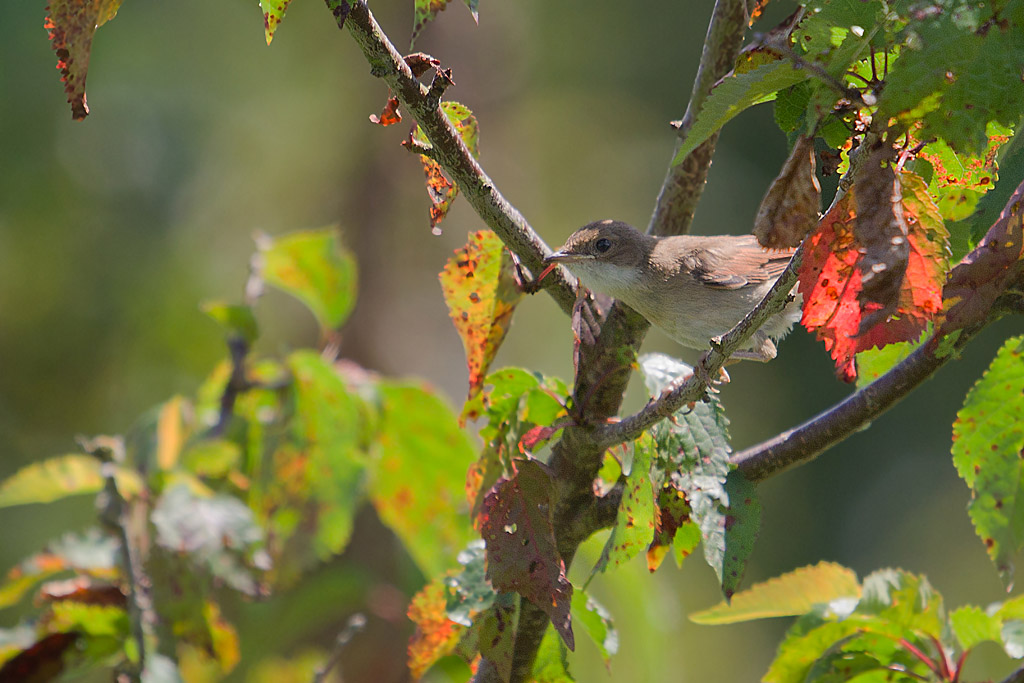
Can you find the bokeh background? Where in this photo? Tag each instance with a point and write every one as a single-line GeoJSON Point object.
{"type": "Point", "coordinates": [113, 230]}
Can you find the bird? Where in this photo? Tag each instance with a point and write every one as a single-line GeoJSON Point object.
{"type": "Point", "coordinates": [694, 288]}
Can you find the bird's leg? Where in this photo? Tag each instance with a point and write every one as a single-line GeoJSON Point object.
{"type": "Point", "coordinates": [764, 350]}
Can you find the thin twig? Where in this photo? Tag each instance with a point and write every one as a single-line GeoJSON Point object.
{"type": "Point", "coordinates": [355, 624]}
{"type": "Point", "coordinates": [451, 152]}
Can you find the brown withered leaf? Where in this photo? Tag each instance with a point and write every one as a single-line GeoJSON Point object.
{"type": "Point", "coordinates": [420, 63]}
{"type": "Point", "coordinates": [389, 115]}
{"type": "Point", "coordinates": [984, 274]}
{"type": "Point", "coordinates": [881, 231]}
{"type": "Point", "coordinates": [790, 208]}
{"type": "Point", "coordinates": [71, 25]}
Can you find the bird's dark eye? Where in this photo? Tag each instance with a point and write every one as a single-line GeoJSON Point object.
{"type": "Point", "coordinates": [603, 244]}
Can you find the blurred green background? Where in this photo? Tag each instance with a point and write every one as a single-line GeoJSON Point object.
{"type": "Point", "coordinates": [112, 231]}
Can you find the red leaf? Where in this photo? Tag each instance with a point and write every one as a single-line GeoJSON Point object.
{"type": "Point", "coordinates": [982, 275]}
{"type": "Point", "coordinates": [43, 661]}
{"type": "Point", "coordinates": [536, 435]}
{"type": "Point", "coordinates": [830, 279]}
{"type": "Point", "coordinates": [71, 25]}
{"type": "Point", "coordinates": [389, 115]}
{"type": "Point", "coordinates": [521, 552]}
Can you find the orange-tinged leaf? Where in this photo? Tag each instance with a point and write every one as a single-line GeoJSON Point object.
{"type": "Point", "coordinates": [389, 115]}
{"type": "Point", "coordinates": [171, 431]}
{"type": "Point", "coordinates": [71, 25]}
{"type": "Point", "coordinates": [791, 594]}
{"type": "Point", "coordinates": [440, 189]}
{"type": "Point", "coordinates": [273, 15]}
{"type": "Point", "coordinates": [480, 289]}
{"type": "Point", "coordinates": [959, 180]}
{"type": "Point", "coordinates": [436, 635]}
{"type": "Point", "coordinates": [830, 279]}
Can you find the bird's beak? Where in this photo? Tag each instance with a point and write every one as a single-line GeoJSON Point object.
{"type": "Point", "coordinates": [561, 257]}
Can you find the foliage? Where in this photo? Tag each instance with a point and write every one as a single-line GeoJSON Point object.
{"type": "Point", "coordinates": [255, 483]}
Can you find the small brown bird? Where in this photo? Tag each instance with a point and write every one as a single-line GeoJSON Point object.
{"type": "Point", "coordinates": [693, 288]}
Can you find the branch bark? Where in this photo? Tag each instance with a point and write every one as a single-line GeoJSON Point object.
{"type": "Point", "coordinates": [504, 219]}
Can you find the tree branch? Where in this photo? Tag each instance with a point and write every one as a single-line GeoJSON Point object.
{"type": "Point", "coordinates": [504, 219]}
{"type": "Point", "coordinates": [684, 182]}
{"type": "Point", "coordinates": [806, 442]}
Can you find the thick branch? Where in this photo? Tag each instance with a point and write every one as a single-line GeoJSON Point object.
{"type": "Point", "coordinates": [387, 64]}
{"type": "Point", "coordinates": [684, 182]}
{"type": "Point", "coordinates": [806, 442]}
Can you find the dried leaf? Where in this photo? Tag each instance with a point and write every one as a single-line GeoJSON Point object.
{"type": "Point", "coordinates": [881, 231]}
{"type": "Point", "coordinates": [978, 280]}
{"type": "Point", "coordinates": [436, 635]}
{"type": "Point", "coordinates": [521, 553]}
{"type": "Point", "coordinates": [790, 208]}
{"type": "Point", "coordinates": [71, 25]}
{"type": "Point", "coordinates": [389, 115]}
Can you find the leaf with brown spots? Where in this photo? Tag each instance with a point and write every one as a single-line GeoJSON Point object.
{"type": "Point", "coordinates": [389, 115]}
{"type": "Point", "coordinates": [521, 553]}
{"type": "Point", "coordinates": [988, 451]}
{"type": "Point", "coordinates": [71, 25]}
{"type": "Point", "coordinates": [417, 474]}
{"type": "Point", "coordinates": [634, 524]}
{"type": "Point", "coordinates": [427, 10]}
{"type": "Point", "coordinates": [436, 635]}
{"type": "Point", "coordinates": [273, 15]}
{"type": "Point", "coordinates": [790, 208]}
{"type": "Point", "coordinates": [985, 273]}
{"type": "Point", "coordinates": [673, 514]}
{"type": "Point", "coordinates": [440, 189]}
{"type": "Point", "coordinates": [480, 289]}
{"type": "Point", "coordinates": [958, 181]}
{"type": "Point", "coordinates": [830, 279]}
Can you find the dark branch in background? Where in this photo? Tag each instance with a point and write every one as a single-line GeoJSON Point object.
{"type": "Point", "coordinates": [1016, 677]}
{"type": "Point", "coordinates": [355, 624]}
{"type": "Point", "coordinates": [500, 216]}
{"type": "Point", "coordinates": [684, 182]}
{"type": "Point", "coordinates": [804, 443]}
{"type": "Point", "coordinates": [115, 515]}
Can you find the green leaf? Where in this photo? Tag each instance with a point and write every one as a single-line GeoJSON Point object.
{"type": "Point", "coordinates": [634, 525]}
{"type": "Point", "coordinates": [972, 626]}
{"type": "Point", "coordinates": [988, 438]}
{"type": "Point", "coordinates": [60, 477]}
{"type": "Point", "coordinates": [552, 663]}
{"type": "Point", "coordinates": [418, 475]}
{"type": "Point", "coordinates": [1012, 637]}
{"type": "Point", "coordinates": [469, 591]}
{"type": "Point", "coordinates": [236, 319]}
{"type": "Point", "coordinates": [873, 363]}
{"type": "Point", "coordinates": [596, 622]}
{"type": "Point", "coordinates": [693, 452]}
{"type": "Point", "coordinates": [313, 267]}
{"type": "Point", "coordinates": [735, 93]}
{"type": "Point", "coordinates": [426, 11]}
{"type": "Point", "coordinates": [946, 76]}
{"type": "Point", "coordinates": [791, 594]}
{"type": "Point", "coordinates": [212, 458]}
{"type": "Point", "coordinates": [273, 15]}
{"type": "Point", "coordinates": [905, 600]}
{"type": "Point", "coordinates": [741, 525]}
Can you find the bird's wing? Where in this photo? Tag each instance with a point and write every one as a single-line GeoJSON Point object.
{"type": "Point", "coordinates": [745, 263]}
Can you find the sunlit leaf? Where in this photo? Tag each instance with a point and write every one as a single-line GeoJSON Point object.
{"type": "Point", "coordinates": [60, 477]}
{"type": "Point", "coordinates": [552, 663]}
{"type": "Point", "coordinates": [71, 25]}
{"type": "Point", "coordinates": [440, 189]}
{"type": "Point", "coordinates": [972, 626]}
{"type": "Point", "coordinates": [791, 594]}
{"type": "Point", "coordinates": [418, 475]}
{"type": "Point", "coordinates": [480, 289]}
{"type": "Point", "coordinates": [988, 439]}
{"type": "Point", "coordinates": [436, 635]}
{"type": "Point", "coordinates": [273, 15]}
{"type": "Point", "coordinates": [634, 525]}
{"type": "Point", "coordinates": [313, 267]}
{"type": "Point", "coordinates": [597, 623]}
